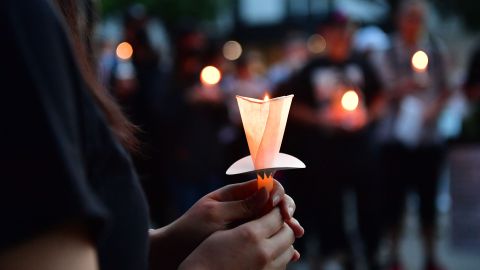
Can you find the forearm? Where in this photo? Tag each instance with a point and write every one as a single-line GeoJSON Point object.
{"type": "Point", "coordinates": [170, 245]}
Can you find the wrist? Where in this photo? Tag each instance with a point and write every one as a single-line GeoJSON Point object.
{"type": "Point", "coordinates": [170, 245]}
{"type": "Point", "coordinates": [191, 263]}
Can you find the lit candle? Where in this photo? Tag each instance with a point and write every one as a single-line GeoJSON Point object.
{"type": "Point", "coordinates": [420, 64]}
{"type": "Point", "coordinates": [350, 100]}
{"type": "Point", "coordinates": [264, 123]}
{"type": "Point", "coordinates": [420, 61]}
{"type": "Point", "coordinates": [348, 110]}
{"type": "Point", "coordinates": [124, 51]}
{"type": "Point", "coordinates": [210, 75]}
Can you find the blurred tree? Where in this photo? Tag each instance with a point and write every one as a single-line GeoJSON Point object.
{"type": "Point", "coordinates": [170, 10]}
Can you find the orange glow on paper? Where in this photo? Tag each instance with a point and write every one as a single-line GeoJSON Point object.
{"type": "Point", "coordinates": [265, 181]}
{"type": "Point", "coordinates": [420, 61]}
{"type": "Point", "coordinates": [350, 100]}
{"type": "Point", "coordinates": [264, 124]}
{"type": "Point", "coordinates": [124, 51]}
{"type": "Point", "coordinates": [210, 75]}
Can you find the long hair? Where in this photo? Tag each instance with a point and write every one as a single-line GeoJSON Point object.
{"type": "Point", "coordinates": [80, 17]}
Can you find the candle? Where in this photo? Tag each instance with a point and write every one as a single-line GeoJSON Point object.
{"type": "Point", "coordinates": [350, 100]}
{"type": "Point", "coordinates": [210, 75]}
{"type": "Point", "coordinates": [420, 61]}
{"type": "Point", "coordinates": [347, 110]}
{"type": "Point", "coordinates": [420, 64]}
{"type": "Point", "coordinates": [264, 123]}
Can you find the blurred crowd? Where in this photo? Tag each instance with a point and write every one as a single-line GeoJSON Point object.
{"type": "Point", "coordinates": [366, 119]}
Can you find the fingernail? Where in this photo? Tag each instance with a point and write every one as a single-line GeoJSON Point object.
{"type": "Point", "coordinates": [290, 210]}
{"type": "Point", "coordinates": [276, 199]}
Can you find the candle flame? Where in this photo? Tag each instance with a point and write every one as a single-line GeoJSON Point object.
{"type": "Point", "coordinates": [266, 97]}
{"type": "Point", "coordinates": [265, 181]}
{"type": "Point", "coordinates": [210, 75]}
{"type": "Point", "coordinates": [350, 100]}
{"type": "Point", "coordinates": [124, 51]}
{"type": "Point", "coordinates": [420, 61]}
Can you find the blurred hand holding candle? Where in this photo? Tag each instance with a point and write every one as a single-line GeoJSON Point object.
{"type": "Point", "coordinates": [348, 110]}
{"type": "Point", "coordinates": [264, 122]}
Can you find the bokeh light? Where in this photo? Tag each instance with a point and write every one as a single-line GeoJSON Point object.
{"type": "Point", "coordinates": [350, 100]}
{"type": "Point", "coordinates": [316, 44]}
{"type": "Point", "coordinates": [124, 51]}
{"type": "Point", "coordinates": [232, 50]}
{"type": "Point", "coordinates": [210, 75]}
{"type": "Point", "coordinates": [420, 61]}
{"type": "Point", "coordinates": [266, 97]}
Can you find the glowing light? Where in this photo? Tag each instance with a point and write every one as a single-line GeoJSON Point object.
{"type": "Point", "coordinates": [265, 181]}
{"type": "Point", "coordinates": [124, 51]}
{"type": "Point", "coordinates": [266, 97]}
{"type": "Point", "coordinates": [420, 61]}
{"type": "Point", "coordinates": [232, 50]}
{"type": "Point", "coordinates": [350, 100]}
{"type": "Point", "coordinates": [210, 75]}
{"type": "Point", "coordinates": [316, 44]}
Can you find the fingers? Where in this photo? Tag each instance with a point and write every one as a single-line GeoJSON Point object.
{"type": "Point", "coordinates": [296, 227]}
{"type": "Point", "coordinates": [277, 193]}
{"type": "Point", "coordinates": [267, 225]}
{"type": "Point", "coordinates": [235, 192]}
{"type": "Point", "coordinates": [296, 256]}
{"type": "Point", "coordinates": [281, 241]}
{"type": "Point", "coordinates": [281, 261]}
{"type": "Point", "coordinates": [234, 211]}
{"type": "Point", "coordinates": [287, 207]}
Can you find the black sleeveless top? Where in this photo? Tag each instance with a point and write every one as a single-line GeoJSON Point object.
{"type": "Point", "coordinates": [59, 161]}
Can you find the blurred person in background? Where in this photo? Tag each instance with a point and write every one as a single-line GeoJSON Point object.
{"type": "Point", "coordinates": [146, 102]}
{"type": "Point", "coordinates": [335, 140]}
{"type": "Point", "coordinates": [71, 198]}
{"type": "Point", "coordinates": [471, 124]}
{"type": "Point", "coordinates": [416, 89]}
{"type": "Point", "coordinates": [294, 57]}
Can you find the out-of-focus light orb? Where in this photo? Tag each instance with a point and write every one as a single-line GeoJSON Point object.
{"type": "Point", "coordinates": [232, 50]}
{"type": "Point", "coordinates": [124, 51]}
{"type": "Point", "coordinates": [350, 100]}
{"type": "Point", "coordinates": [210, 75]}
{"type": "Point", "coordinates": [420, 61]}
{"type": "Point", "coordinates": [316, 44]}
{"type": "Point", "coordinates": [266, 97]}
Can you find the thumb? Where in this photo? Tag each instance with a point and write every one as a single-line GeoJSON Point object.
{"type": "Point", "coordinates": [246, 209]}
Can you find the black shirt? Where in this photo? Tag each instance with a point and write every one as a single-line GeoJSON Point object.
{"type": "Point", "coordinates": [59, 160]}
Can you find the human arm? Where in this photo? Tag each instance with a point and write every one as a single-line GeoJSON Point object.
{"type": "Point", "coordinates": [264, 243]}
{"type": "Point", "coordinates": [220, 210]}
{"type": "Point", "coordinates": [66, 247]}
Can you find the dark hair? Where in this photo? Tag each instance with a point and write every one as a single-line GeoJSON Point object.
{"type": "Point", "coordinates": [80, 17]}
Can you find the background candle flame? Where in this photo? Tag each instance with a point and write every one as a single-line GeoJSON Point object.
{"type": "Point", "coordinates": [266, 97]}
{"type": "Point", "coordinates": [124, 51]}
{"type": "Point", "coordinates": [210, 75]}
{"type": "Point", "coordinates": [420, 61]}
{"type": "Point", "coordinates": [350, 100]}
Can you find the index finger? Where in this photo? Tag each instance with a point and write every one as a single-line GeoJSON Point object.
{"type": "Point", "coordinates": [235, 192]}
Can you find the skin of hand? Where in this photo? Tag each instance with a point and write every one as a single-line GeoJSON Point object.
{"type": "Point", "coordinates": [220, 210]}
{"type": "Point", "coordinates": [66, 247]}
{"type": "Point", "coordinates": [264, 243]}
